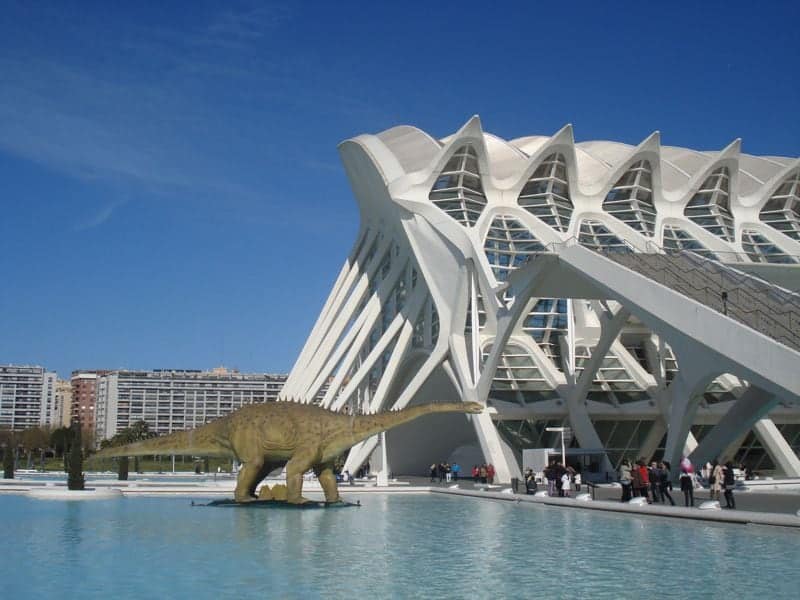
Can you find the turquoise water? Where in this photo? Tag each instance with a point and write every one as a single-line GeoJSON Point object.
{"type": "Point", "coordinates": [396, 546]}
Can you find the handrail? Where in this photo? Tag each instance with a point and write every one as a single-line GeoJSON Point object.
{"type": "Point", "coordinates": [741, 296]}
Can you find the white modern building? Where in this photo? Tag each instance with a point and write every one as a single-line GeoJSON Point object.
{"type": "Point", "coordinates": [174, 400]}
{"type": "Point", "coordinates": [28, 398]}
{"type": "Point", "coordinates": [644, 296]}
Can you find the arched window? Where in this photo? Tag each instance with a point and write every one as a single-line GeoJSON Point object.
{"type": "Point", "coordinates": [761, 249]}
{"type": "Point", "coordinates": [595, 235]}
{"type": "Point", "coordinates": [679, 240]}
{"type": "Point", "coordinates": [631, 199]}
{"type": "Point", "coordinates": [710, 207]}
{"type": "Point", "coordinates": [458, 190]}
{"type": "Point", "coordinates": [782, 210]}
{"type": "Point", "coordinates": [546, 194]}
{"type": "Point", "coordinates": [508, 244]}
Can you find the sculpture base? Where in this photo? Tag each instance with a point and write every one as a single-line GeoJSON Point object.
{"type": "Point", "coordinates": [278, 504]}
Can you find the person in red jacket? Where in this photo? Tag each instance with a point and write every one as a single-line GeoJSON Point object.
{"type": "Point", "coordinates": [644, 477]}
{"type": "Point", "coordinates": [490, 472]}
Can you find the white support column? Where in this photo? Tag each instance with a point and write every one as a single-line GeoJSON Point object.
{"type": "Point", "coordinates": [495, 450]}
{"type": "Point", "coordinates": [331, 342]}
{"type": "Point", "coordinates": [751, 406]}
{"type": "Point", "coordinates": [341, 318]}
{"type": "Point", "coordinates": [652, 439]}
{"type": "Point", "coordinates": [360, 452]}
{"type": "Point", "coordinates": [342, 288]}
{"type": "Point", "coordinates": [578, 415]}
{"type": "Point", "coordinates": [682, 411]}
{"type": "Point", "coordinates": [475, 340]}
{"type": "Point", "coordinates": [365, 367]}
{"type": "Point", "coordinates": [350, 357]}
{"type": "Point", "coordinates": [373, 308]}
{"type": "Point", "coordinates": [403, 319]}
{"type": "Point", "coordinates": [507, 318]}
{"type": "Point", "coordinates": [777, 447]}
{"type": "Point", "coordinates": [365, 320]}
{"type": "Point", "coordinates": [383, 474]}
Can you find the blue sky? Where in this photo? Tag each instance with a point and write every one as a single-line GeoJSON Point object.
{"type": "Point", "coordinates": [171, 191]}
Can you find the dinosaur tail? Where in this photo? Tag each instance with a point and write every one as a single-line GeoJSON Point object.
{"type": "Point", "coordinates": [195, 441]}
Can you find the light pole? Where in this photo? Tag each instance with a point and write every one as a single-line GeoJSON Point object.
{"type": "Point", "coordinates": [562, 431]}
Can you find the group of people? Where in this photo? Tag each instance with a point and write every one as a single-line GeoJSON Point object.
{"type": "Point", "coordinates": [445, 471]}
{"type": "Point", "coordinates": [721, 479]}
{"type": "Point", "coordinates": [654, 482]}
{"type": "Point", "coordinates": [561, 480]}
{"type": "Point", "coordinates": [483, 473]}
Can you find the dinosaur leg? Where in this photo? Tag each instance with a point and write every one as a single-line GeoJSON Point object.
{"type": "Point", "coordinates": [247, 481]}
{"type": "Point", "coordinates": [265, 470]}
{"type": "Point", "coordinates": [299, 464]}
{"type": "Point", "coordinates": [327, 479]}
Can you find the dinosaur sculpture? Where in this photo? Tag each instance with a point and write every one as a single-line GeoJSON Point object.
{"type": "Point", "coordinates": [264, 437]}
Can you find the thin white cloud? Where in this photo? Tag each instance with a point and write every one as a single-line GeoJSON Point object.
{"type": "Point", "coordinates": [101, 217]}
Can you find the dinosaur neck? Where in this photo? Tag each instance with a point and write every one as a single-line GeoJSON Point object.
{"type": "Point", "coordinates": [365, 426]}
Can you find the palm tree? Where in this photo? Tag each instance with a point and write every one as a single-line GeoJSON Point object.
{"type": "Point", "coordinates": [75, 480]}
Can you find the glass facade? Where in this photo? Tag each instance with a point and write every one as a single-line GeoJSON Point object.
{"type": "Point", "coordinates": [631, 199]}
{"type": "Point", "coordinates": [710, 206]}
{"type": "Point", "coordinates": [546, 323]}
{"type": "Point", "coordinates": [612, 383]}
{"type": "Point", "coordinates": [782, 210]}
{"type": "Point", "coordinates": [508, 244]}
{"type": "Point", "coordinates": [596, 236]}
{"type": "Point", "coordinates": [546, 194]}
{"type": "Point", "coordinates": [759, 248]}
{"type": "Point", "coordinates": [679, 240]}
{"type": "Point", "coordinates": [458, 190]}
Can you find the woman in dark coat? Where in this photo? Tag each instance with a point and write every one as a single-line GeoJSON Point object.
{"type": "Point", "coordinates": [687, 486]}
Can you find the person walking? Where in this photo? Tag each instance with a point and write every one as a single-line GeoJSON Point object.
{"type": "Point", "coordinates": [715, 480]}
{"type": "Point", "coordinates": [665, 482]}
{"type": "Point", "coordinates": [490, 472]}
{"type": "Point", "coordinates": [636, 480]}
{"type": "Point", "coordinates": [550, 475]}
{"type": "Point", "coordinates": [728, 483]}
{"type": "Point", "coordinates": [625, 479]}
{"type": "Point", "coordinates": [687, 482]}
{"type": "Point", "coordinates": [433, 472]}
{"type": "Point", "coordinates": [455, 469]}
{"type": "Point", "coordinates": [475, 473]}
{"type": "Point", "coordinates": [448, 472]}
{"type": "Point", "coordinates": [566, 484]}
{"type": "Point", "coordinates": [530, 482]}
{"type": "Point", "coordinates": [559, 481]}
{"type": "Point", "coordinates": [644, 479]}
{"type": "Point", "coordinates": [654, 474]}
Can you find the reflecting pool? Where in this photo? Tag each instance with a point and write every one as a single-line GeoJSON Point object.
{"type": "Point", "coordinates": [422, 546]}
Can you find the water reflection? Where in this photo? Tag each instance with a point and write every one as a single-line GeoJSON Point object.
{"type": "Point", "coordinates": [392, 546]}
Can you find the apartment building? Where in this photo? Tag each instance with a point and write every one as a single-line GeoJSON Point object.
{"type": "Point", "coordinates": [27, 397]}
{"type": "Point", "coordinates": [173, 400]}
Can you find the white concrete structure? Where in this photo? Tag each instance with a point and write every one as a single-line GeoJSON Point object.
{"type": "Point", "coordinates": [175, 400]}
{"type": "Point", "coordinates": [28, 398]}
{"type": "Point", "coordinates": [596, 284]}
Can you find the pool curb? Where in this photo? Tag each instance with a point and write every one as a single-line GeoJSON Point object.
{"type": "Point", "coordinates": [225, 488]}
{"type": "Point", "coordinates": [720, 516]}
